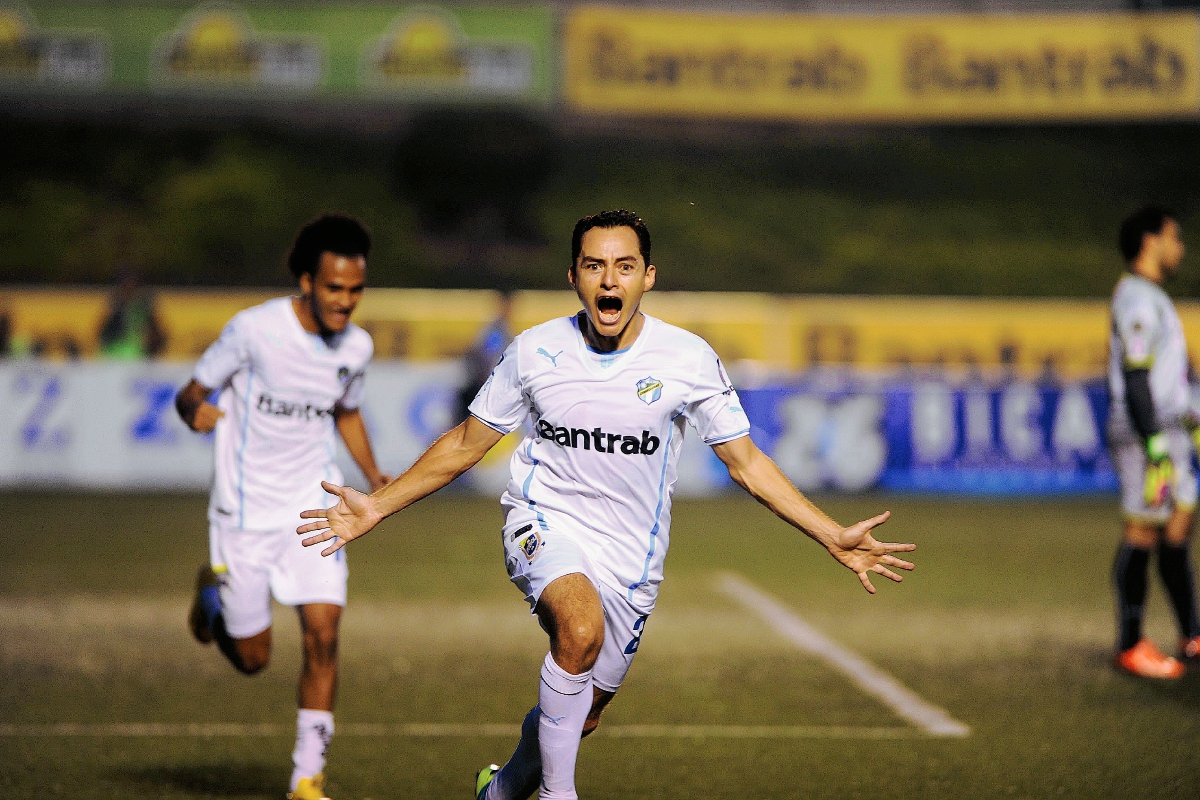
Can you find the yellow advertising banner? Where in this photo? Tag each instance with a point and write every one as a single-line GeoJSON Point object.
{"type": "Point", "coordinates": [910, 69]}
{"type": "Point", "coordinates": [758, 332]}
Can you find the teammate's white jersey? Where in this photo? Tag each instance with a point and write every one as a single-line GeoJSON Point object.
{"type": "Point", "coordinates": [1146, 334]}
{"type": "Point", "coordinates": [279, 387]}
{"type": "Point", "coordinates": [599, 463]}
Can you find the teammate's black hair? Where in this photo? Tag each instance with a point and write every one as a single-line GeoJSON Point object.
{"type": "Point", "coordinates": [1148, 219]}
{"type": "Point", "coordinates": [611, 219]}
{"type": "Point", "coordinates": [340, 234]}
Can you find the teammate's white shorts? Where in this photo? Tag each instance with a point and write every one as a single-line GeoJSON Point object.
{"type": "Point", "coordinates": [1129, 458]}
{"type": "Point", "coordinates": [536, 557]}
{"type": "Point", "coordinates": [257, 565]}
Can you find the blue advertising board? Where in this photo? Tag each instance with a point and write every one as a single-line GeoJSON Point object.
{"type": "Point", "coordinates": [929, 435]}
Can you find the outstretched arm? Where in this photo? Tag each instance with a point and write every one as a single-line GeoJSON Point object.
{"type": "Point", "coordinates": [354, 433]}
{"type": "Point", "coordinates": [455, 452]}
{"type": "Point", "coordinates": [854, 547]}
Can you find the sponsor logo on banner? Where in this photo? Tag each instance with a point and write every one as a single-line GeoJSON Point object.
{"type": "Point", "coordinates": [916, 68]}
{"type": "Point", "coordinates": [216, 47]}
{"type": "Point", "coordinates": [31, 55]}
{"type": "Point", "coordinates": [425, 48]}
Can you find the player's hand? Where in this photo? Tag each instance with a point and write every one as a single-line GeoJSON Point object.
{"type": "Point", "coordinates": [379, 481]}
{"type": "Point", "coordinates": [206, 417]}
{"type": "Point", "coordinates": [857, 549]}
{"type": "Point", "coordinates": [354, 515]}
{"type": "Point", "coordinates": [1160, 472]}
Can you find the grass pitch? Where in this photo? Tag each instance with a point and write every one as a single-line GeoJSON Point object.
{"type": "Point", "coordinates": [1006, 624]}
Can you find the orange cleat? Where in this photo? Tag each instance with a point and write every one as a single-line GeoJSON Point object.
{"type": "Point", "coordinates": [1189, 649]}
{"type": "Point", "coordinates": [1147, 661]}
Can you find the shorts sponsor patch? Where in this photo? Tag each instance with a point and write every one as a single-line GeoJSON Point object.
{"type": "Point", "coordinates": [530, 545]}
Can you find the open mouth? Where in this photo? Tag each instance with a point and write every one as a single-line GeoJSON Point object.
{"type": "Point", "coordinates": [609, 307]}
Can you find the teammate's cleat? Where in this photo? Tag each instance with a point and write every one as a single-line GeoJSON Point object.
{"type": "Point", "coordinates": [207, 584]}
{"type": "Point", "coordinates": [483, 778]}
{"type": "Point", "coordinates": [1147, 661]}
{"type": "Point", "coordinates": [309, 789]}
{"type": "Point", "coordinates": [1189, 649]}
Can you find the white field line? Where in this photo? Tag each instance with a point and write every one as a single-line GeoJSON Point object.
{"type": "Point", "coordinates": [871, 679]}
{"type": "Point", "coordinates": [436, 730]}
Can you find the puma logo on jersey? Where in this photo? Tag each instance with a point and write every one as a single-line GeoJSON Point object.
{"type": "Point", "coordinates": [598, 439]}
{"type": "Point", "coordinates": [553, 358]}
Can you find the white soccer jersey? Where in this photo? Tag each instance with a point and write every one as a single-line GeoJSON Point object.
{"type": "Point", "coordinates": [599, 463]}
{"type": "Point", "coordinates": [279, 387]}
{"type": "Point", "coordinates": [1146, 333]}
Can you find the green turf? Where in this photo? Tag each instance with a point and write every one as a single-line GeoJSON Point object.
{"type": "Point", "coordinates": [1006, 624]}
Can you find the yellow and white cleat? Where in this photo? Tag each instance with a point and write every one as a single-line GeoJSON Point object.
{"type": "Point", "coordinates": [309, 789]}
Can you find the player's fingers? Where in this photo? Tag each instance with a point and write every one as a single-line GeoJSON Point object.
{"type": "Point", "coordinates": [866, 582]}
{"type": "Point", "coordinates": [333, 488]}
{"type": "Point", "coordinates": [898, 547]}
{"type": "Point", "coordinates": [323, 536]}
{"type": "Point", "coordinates": [877, 520]}
{"type": "Point", "coordinates": [333, 548]}
{"type": "Point", "coordinates": [314, 513]}
{"type": "Point", "coordinates": [309, 527]}
{"type": "Point", "coordinates": [887, 573]}
{"type": "Point", "coordinates": [898, 563]}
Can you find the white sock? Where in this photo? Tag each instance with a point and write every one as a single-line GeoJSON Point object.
{"type": "Point", "coordinates": [314, 731]}
{"type": "Point", "coordinates": [519, 778]}
{"type": "Point", "coordinates": [565, 700]}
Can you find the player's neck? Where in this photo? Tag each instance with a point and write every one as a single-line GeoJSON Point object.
{"type": "Point", "coordinates": [608, 344]}
{"type": "Point", "coordinates": [302, 306]}
{"type": "Point", "coordinates": [1149, 269]}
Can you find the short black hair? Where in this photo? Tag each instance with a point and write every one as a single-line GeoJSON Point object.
{"type": "Point", "coordinates": [611, 219]}
{"type": "Point", "coordinates": [1148, 219]}
{"type": "Point", "coordinates": [336, 233]}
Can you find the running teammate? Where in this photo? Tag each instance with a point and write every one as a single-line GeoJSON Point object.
{"type": "Point", "coordinates": [290, 372]}
{"type": "Point", "coordinates": [609, 393]}
{"type": "Point", "coordinates": [1150, 418]}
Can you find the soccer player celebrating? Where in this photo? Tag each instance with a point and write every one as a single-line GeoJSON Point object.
{"type": "Point", "coordinates": [588, 510]}
{"type": "Point", "coordinates": [290, 372]}
{"type": "Point", "coordinates": [1149, 421]}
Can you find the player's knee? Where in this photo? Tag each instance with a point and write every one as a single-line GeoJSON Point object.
{"type": "Point", "coordinates": [321, 644]}
{"type": "Point", "coordinates": [584, 639]}
{"type": "Point", "coordinates": [251, 662]}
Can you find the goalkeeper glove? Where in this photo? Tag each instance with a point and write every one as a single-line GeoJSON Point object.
{"type": "Point", "coordinates": [1160, 473]}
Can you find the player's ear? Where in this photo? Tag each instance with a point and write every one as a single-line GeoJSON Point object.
{"type": "Point", "coordinates": [571, 276]}
{"type": "Point", "coordinates": [650, 275]}
{"type": "Point", "coordinates": [306, 283]}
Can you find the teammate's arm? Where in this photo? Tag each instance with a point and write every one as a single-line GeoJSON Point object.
{"type": "Point", "coordinates": [854, 547]}
{"type": "Point", "coordinates": [354, 433]}
{"type": "Point", "coordinates": [455, 452]}
{"type": "Point", "coordinates": [194, 409]}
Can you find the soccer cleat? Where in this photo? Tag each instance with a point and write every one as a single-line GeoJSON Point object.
{"type": "Point", "coordinates": [483, 779]}
{"type": "Point", "coordinates": [1147, 661]}
{"type": "Point", "coordinates": [1189, 649]}
{"type": "Point", "coordinates": [309, 789]}
{"type": "Point", "coordinates": [206, 582]}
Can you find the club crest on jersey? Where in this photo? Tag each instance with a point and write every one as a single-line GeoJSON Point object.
{"type": "Point", "coordinates": [649, 390]}
{"type": "Point", "coordinates": [530, 545]}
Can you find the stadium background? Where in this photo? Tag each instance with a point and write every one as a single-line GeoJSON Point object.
{"type": "Point", "coordinates": [894, 221]}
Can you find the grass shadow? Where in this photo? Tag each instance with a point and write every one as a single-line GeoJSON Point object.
{"type": "Point", "coordinates": [208, 780]}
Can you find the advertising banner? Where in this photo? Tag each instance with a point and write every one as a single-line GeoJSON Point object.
{"type": "Point", "coordinates": [904, 68]}
{"type": "Point", "coordinates": [114, 426]}
{"type": "Point", "coordinates": [284, 50]}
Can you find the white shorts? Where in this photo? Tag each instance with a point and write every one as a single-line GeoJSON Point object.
{"type": "Point", "coordinates": [535, 557]}
{"type": "Point", "coordinates": [1129, 458]}
{"type": "Point", "coordinates": [257, 565]}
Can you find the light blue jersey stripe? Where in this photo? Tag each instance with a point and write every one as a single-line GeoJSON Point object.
{"type": "Point", "coordinates": [242, 451]}
{"type": "Point", "coordinates": [662, 483]}
{"type": "Point", "coordinates": [525, 488]}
